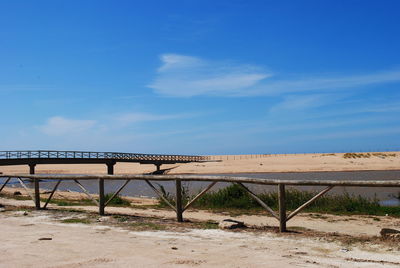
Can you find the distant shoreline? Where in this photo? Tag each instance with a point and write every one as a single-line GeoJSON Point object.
{"type": "Point", "coordinates": [237, 164]}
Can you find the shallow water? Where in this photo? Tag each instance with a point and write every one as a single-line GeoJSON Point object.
{"type": "Point", "coordinates": [387, 195]}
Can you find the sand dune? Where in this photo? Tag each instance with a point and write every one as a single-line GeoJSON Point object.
{"type": "Point", "coordinates": [239, 164]}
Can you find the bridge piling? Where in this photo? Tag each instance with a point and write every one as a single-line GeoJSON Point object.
{"type": "Point", "coordinates": [32, 169]}
{"type": "Point", "coordinates": [158, 167]}
{"type": "Point", "coordinates": [110, 168]}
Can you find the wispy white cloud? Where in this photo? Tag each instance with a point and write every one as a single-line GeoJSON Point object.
{"type": "Point", "coordinates": [186, 76]}
{"type": "Point", "coordinates": [302, 102]}
{"type": "Point", "coordinates": [59, 126]}
{"type": "Point", "coordinates": [130, 118]}
{"type": "Point", "coordinates": [323, 83]}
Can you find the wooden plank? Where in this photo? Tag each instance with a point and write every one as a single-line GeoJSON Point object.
{"type": "Point", "coordinates": [282, 208]}
{"type": "Point", "coordinates": [117, 192]}
{"type": "Point", "coordinates": [178, 201]}
{"type": "Point", "coordinates": [160, 195]}
{"type": "Point", "coordinates": [51, 194]}
{"type": "Point", "coordinates": [295, 212]}
{"type": "Point", "coordinates": [87, 193]}
{"type": "Point", "coordinates": [270, 210]}
{"type": "Point", "coordinates": [199, 195]}
{"type": "Point", "coordinates": [261, 181]}
{"type": "Point", "coordinates": [4, 185]}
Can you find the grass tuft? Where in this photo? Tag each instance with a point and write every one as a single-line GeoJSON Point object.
{"type": "Point", "coordinates": [235, 198]}
{"type": "Point", "coordinates": [117, 200]}
{"type": "Point", "coordinates": [76, 220]}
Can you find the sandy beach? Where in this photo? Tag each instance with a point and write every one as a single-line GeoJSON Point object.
{"type": "Point", "coordinates": [224, 164]}
{"type": "Point", "coordinates": [46, 240]}
{"type": "Point", "coordinates": [316, 240]}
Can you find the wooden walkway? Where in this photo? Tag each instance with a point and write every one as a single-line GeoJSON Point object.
{"type": "Point", "coordinates": [33, 158]}
{"type": "Point", "coordinates": [178, 207]}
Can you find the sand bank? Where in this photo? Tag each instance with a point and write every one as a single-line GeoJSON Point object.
{"type": "Point", "coordinates": [239, 164]}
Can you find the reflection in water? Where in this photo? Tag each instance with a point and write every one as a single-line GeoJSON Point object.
{"type": "Point", "coordinates": [140, 188]}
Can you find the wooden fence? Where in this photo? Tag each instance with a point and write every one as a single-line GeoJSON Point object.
{"type": "Point", "coordinates": [281, 216]}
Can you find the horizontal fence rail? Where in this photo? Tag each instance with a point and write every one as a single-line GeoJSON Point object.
{"type": "Point", "coordinates": [98, 155]}
{"type": "Point", "coordinates": [281, 216]}
{"type": "Point", "coordinates": [314, 182]}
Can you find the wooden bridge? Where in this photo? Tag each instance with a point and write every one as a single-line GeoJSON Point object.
{"type": "Point", "coordinates": [33, 158]}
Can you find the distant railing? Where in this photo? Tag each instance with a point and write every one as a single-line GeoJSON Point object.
{"type": "Point", "coordinates": [98, 155]}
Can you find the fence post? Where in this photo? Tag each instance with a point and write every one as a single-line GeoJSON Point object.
{"type": "Point", "coordinates": [37, 193]}
{"type": "Point", "coordinates": [179, 210]}
{"type": "Point", "coordinates": [101, 196]}
{"type": "Point", "coordinates": [282, 208]}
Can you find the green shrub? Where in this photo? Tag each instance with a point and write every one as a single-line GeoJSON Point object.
{"type": "Point", "coordinates": [117, 200]}
{"type": "Point", "coordinates": [235, 197]}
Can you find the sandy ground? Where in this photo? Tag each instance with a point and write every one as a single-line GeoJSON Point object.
{"type": "Point", "coordinates": [347, 225]}
{"type": "Point", "coordinates": [237, 164]}
{"type": "Point", "coordinates": [25, 242]}
{"type": "Point", "coordinates": [104, 245]}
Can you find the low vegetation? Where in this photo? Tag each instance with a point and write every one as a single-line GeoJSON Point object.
{"type": "Point", "coordinates": [235, 198]}
{"type": "Point", "coordinates": [368, 155]}
{"type": "Point", "coordinates": [76, 220]}
{"type": "Point", "coordinates": [117, 200]}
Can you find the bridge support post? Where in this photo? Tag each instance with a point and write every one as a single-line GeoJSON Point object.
{"type": "Point", "coordinates": [282, 208]}
{"type": "Point", "coordinates": [179, 209]}
{"type": "Point", "coordinates": [158, 167]}
{"type": "Point", "coordinates": [37, 193]}
{"type": "Point", "coordinates": [110, 168]}
{"type": "Point", "coordinates": [32, 168]}
{"type": "Point", "coordinates": [101, 196]}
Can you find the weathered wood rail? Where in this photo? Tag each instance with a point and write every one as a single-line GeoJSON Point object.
{"type": "Point", "coordinates": [282, 215]}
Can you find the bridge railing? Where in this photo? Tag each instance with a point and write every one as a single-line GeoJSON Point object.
{"type": "Point", "coordinates": [98, 155]}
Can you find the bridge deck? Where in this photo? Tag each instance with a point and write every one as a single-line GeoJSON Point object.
{"type": "Point", "coordinates": [81, 157]}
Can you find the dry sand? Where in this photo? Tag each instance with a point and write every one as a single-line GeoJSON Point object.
{"type": "Point", "coordinates": [238, 164]}
{"type": "Point", "coordinates": [106, 245]}
{"type": "Point", "coordinates": [25, 243]}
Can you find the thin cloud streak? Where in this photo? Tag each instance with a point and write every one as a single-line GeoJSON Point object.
{"type": "Point", "coordinates": [187, 76]}
{"type": "Point", "coordinates": [131, 118]}
{"type": "Point", "coordinates": [59, 126]}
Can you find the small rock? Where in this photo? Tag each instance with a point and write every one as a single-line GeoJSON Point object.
{"type": "Point", "coordinates": [21, 213]}
{"type": "Point", "coordinates": [2, 209]}
{"type": "Point", "coordinates": [45, 238]}
{"type": "Point", "coordinates": [174, 248]}
{"type": "Point", "coordinates": [103, 219]}
{"type": "Point", "coordinates": [231, 224]}
{"type": "Point", "coordinates": [17, 193]}
{"type": "Point", "coordinates": [390, 233]}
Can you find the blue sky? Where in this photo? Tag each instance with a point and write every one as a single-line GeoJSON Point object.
{"type": "Point", "coordinates": [200, 77]}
